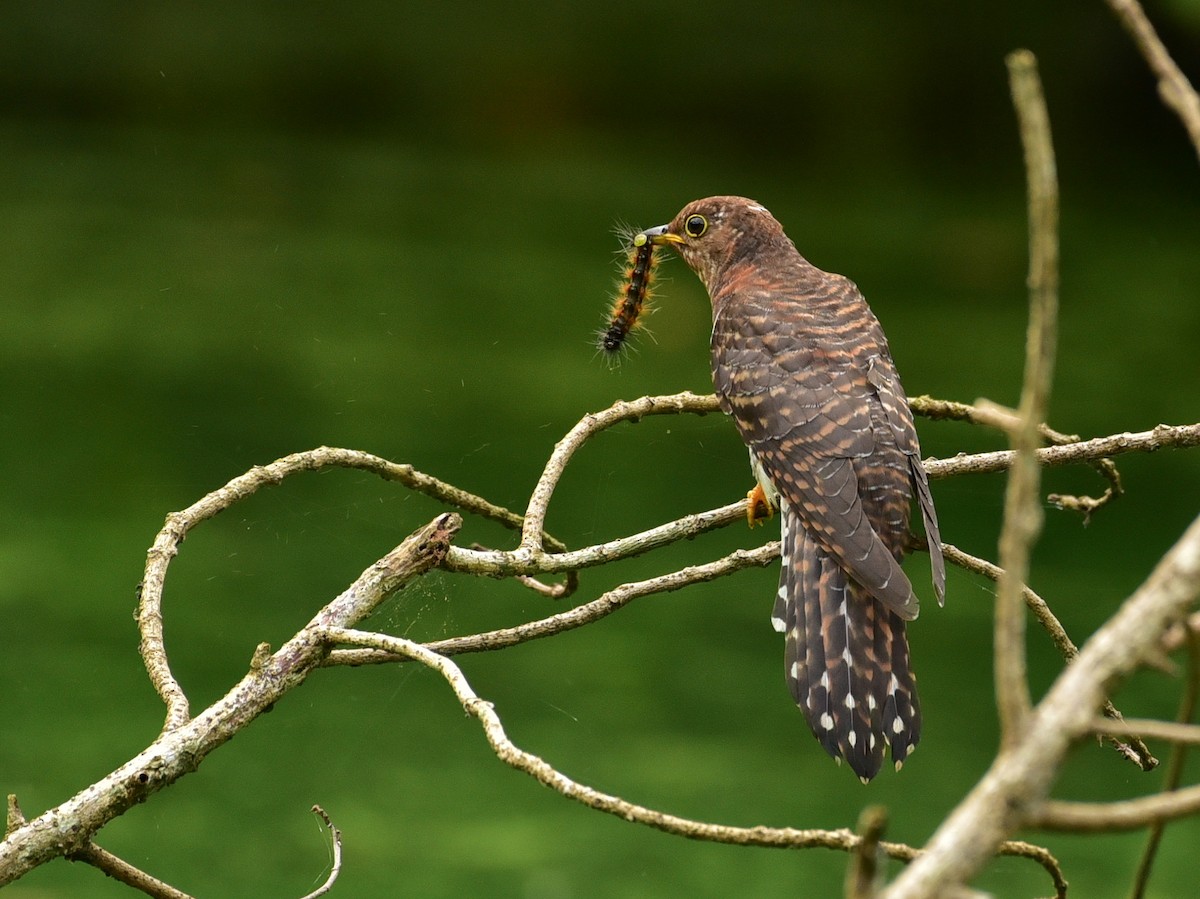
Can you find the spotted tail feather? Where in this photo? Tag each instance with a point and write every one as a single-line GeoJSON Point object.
{"type": "Point", "coordinates": [846, 657]}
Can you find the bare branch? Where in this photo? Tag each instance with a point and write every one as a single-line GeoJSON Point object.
{"type": "Point", "coordinates": [1022, 510]}
{"type": "Point", "coordinates": [536, 767]}
{"type": "Point", "coordinates": [777, 837]}
{"type": "Point", "coordinates": [179, 524]}
{"type": "Point", "coordinates": [68, 828]}
{"type": "Point", "coordinates": [335, 837]}
{"type": "Point", "coordinates": [120, 870]}
{"type": "Point", "coordinates": [991, 416]}
{"type": "Point", "coordinates": [1150, 728]}
{"type": "Point", "coordinates": [1173, 776]}
{"type": "Point", "coordinates": [1010, 794]}
{"type": "Point", "coordinates": [864, 875]}
{"type": "Point", "coordinates": [499, 563]}
{"type": "Point", "coordinates": [604, 605]}
{"type": "Point", "coordinates": [539, 501]}
{"type": "Point", "coordinates": [1173, 86]}
{"type": "Point", "coordinates": [1135, 751]}
{"type": "Point", "coordinates": [1176, 436]}
{"type": "Point", "coordinates": [534, 562]}
{"type": "Point", "coordinates": [1109, 817]}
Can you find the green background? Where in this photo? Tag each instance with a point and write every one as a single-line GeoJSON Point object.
{"type": "Point", "coordinates": [234, 231]}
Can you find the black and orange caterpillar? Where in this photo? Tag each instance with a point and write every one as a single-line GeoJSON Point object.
{"type": "Point", "coordinates": [631, 300]}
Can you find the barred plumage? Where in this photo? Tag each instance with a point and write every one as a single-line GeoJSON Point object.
{"type": "Point", "coordinates": [802, 366]}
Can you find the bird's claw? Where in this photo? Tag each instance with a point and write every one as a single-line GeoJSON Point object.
{"type": "Point", "coordinates": [759, 508]}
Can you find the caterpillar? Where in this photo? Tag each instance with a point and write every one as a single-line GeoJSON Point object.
{"type": "Point", "coordinates": [631, 301]}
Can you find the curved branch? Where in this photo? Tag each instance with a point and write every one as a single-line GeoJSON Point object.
{"type": "Point", "coordinates": [335, 869]}
{"type": "Point", "coordinates": [179, 524]}
{"type": "Point", "coordinates": [589, 425]}
{"type": "Point", "coordinates": [508, 752]}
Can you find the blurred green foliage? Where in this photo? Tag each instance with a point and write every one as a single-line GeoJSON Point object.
{"type": "Point", "coordinates": [233, 231]}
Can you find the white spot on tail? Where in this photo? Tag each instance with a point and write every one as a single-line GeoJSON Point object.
{"type": "Point", "coordinates": [827, 721]}
{"type": "Point", "coordinates": [852, 739]}
{"type": "Point", "coordinates": [850, 700]}
{"type": "Point", "coordinates": [897, 726]}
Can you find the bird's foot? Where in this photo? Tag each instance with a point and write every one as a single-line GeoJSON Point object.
{"type": "Point", "coordinates": [760, 507]}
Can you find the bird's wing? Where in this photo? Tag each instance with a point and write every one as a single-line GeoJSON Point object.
{"type": "Point", "coordinates": [881, 373]}
{"type": "Point", "coordinates": [803, 403]}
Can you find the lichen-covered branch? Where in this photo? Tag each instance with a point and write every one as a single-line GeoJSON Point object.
{"type": "Point", "coordinates": [68, 828]}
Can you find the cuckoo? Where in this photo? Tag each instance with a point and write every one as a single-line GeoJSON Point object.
{"type": "Point", "coordinates": [801, 364]}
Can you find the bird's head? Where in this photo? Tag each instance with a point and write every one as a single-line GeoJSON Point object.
{"type": "Point", "coordinates": [716, 233]}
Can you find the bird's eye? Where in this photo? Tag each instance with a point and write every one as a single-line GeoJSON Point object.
{"type": "Point", "coordinates": [695, 225]}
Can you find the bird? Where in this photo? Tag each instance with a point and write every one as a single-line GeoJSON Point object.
{"type": "Point", "coordinates": [802, 366]}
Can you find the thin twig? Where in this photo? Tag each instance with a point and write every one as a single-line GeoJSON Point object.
{"type": "Point", "coordinates": [1135, 750]}
{"type": "Point", "coordinates": [120, 870]}
{"type": "Point", "coordinates": [777, 837]}
{"type": "Point", "coordinates": [1150, 728]}
{"type": "Point", "coordinates": [587, 613]}
{"type": "Point", "coordinates": [1160, 437]}
{"type": "Point", "coordinates": [501, 563]}
{"type": "Point", "coordinates": [865, 871]}
{"type": "Point", "coordinates": [335, 838]}
{"type": "Point", "coordinates": [940, 410]}
{"type": "Point", "coordinates": [1022, 510]}
{"type": "Point", "coordinates": [1173, 86]}
{"type": "Point", "coordinates": [1175, 762]}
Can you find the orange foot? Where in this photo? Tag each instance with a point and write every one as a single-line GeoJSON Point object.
{"type": "Point", "coordinates": [760, 507]}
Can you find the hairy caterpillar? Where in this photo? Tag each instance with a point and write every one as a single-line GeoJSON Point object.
{"type": "Point", "coordinates": [631, 301]}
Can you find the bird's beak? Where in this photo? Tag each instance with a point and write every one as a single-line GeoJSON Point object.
{"type": "Point", "coordinates": [657, 237]}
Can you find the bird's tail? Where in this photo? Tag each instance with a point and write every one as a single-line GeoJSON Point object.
{"type": "Point", "coordinates": [846, 658]}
